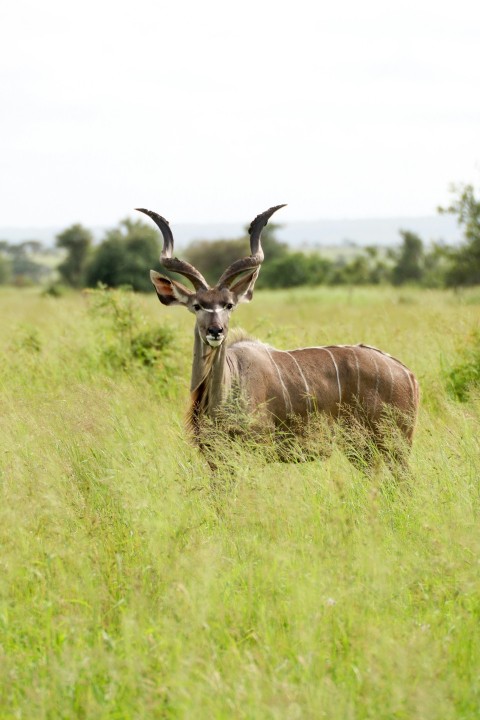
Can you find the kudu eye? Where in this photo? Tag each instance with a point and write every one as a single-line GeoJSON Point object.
{"type": "Point", "coordinates": [196, 307]}
{"type": "Point", "coordinates": [228, 306]}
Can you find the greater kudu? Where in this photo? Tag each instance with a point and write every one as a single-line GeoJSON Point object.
{"type": "Point", "coordinates": [283, 390]}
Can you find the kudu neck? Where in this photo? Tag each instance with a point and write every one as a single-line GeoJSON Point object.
{"type": "Point", "coordinates": [208, 372]}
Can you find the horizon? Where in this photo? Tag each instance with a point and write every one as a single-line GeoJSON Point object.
{"type": "Point", "coordinates": [297, 234]}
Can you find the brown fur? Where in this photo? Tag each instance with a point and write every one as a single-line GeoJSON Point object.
{"type": "Point", "coordinates": [372, 390]}
{"type": "Point", "coordinates": [366, 391]}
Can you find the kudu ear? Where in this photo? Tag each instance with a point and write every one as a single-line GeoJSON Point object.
{"type": "Point", "coordinates": [170, 292]}
{"type": "Point", "coordinates": [243, 289]}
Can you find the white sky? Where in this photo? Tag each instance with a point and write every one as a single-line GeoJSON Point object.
{"type": "Point", "coordinates": [213, 111]}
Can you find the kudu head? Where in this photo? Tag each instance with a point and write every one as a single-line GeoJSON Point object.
{"type": "Point", "coordinates": [211, 306]}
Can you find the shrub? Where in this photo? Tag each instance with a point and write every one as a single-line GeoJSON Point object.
{"type": "Point", "coordinates": [5, 270]}
{"type": "Point", "coordinates": [465, 375]}
{"type": "Point", "coordinates": [127, 339]}
{"type": "Point", "coordinates": [54, 289]}
{"type": "Point", "coordinates": [77, 241]}
{"type": "Point", "coordinates": [28, 340]}
{"type": "Point", "coordinates": [294, 269]}
{"type": "Point", "coordinates": [125, 257]}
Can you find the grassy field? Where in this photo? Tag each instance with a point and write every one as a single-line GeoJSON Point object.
{"type": "Point", "coordinates": [130, 587]}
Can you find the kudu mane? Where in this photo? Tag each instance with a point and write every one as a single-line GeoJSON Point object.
{"type": "Point", "coordinates": [199, 396]}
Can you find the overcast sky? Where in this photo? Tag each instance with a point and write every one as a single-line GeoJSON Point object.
{"type": "Point", "coordinates": [213, 111]}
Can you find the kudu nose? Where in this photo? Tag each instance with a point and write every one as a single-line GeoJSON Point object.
{"type": "Point", "coordinates": [215, 330]}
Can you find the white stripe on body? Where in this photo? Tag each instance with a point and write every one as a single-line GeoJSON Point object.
{"type": "Point", "coordinates": [392, 382]}
{"type": "Point", "coordinates": [338, 374]}
{"type": "Point", "coordinates": [322, 347]}
{"type": "Point", "coordinates": [407, 373]}
{"type": "Point", "coordinates": [284, 389]}
{"type": "Point", "coordinates": [399, 362]}
{"type": "Point", "coordinates": [358, 374]}
{"type": "Point", "coordinates": [385, 355]}
{"type": "Point", "coordinates": [307, 389]}
{"type": "Point", "coordinates": [377, 377]}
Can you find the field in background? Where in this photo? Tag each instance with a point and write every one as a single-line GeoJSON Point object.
{"type": "Point", "coordinates": [130, 587]}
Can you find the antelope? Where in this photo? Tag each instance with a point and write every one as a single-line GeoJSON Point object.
{"type": "Point", "coordinates": [282, 391]}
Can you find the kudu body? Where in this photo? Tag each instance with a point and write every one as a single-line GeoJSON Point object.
{"type": "Point", "coordinates": [282, 391]}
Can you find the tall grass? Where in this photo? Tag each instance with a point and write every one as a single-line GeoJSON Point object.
{"type": "Point", "coordinates": [133, 587]}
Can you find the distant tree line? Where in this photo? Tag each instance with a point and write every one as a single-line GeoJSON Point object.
{"type": "Point", "coordinates": [128, 251]}
{"type": "Point", "coordinates": [122, 258]}
{"type": "Point", "coordinates": [17, 263]}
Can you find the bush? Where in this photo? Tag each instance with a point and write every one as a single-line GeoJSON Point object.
{"type": "Point", "coordinates": [294, 269]}
{"type": "Point", "coordinates": [465, 376]}
{"type": "Point", "coordinates": [125, 257]}
{"type": "Point", "coordinates": [212, 257]}
{"type": "Point", "coordinates": [5, 270]}
{"type": "Point", "coordinates": [409, 259]}
{"type": "Point", "coordinates": [465, 260]}
{"type": "Point", "coordinates": [54, 289]}
{"type": "Point", "coordinates": [77, 241]}
{"type": "Point", "coordinates": [124, 343]}
{"type": "Point", "coordinates": [147, 347]}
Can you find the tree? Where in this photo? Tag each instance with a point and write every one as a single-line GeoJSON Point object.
{"type": "Point", "coordinates": [126, 256]}
{"type": "Point", "coordinates": [378, 270]}
{"type": "Point", "coordinates": [293, 269]}
{"type": "Point", "coordinates": [409, 259]}
{"type": "Point", "coordinates": [437, 264]}
{"type": "Point", "coordinates": [367, 267]}
{"type": "Point", "coordinates": [77, 240]}
{"type": "Point", "coordinates": [5, 269]}
{"type": "Point", "coordinates": [18, 264]}
{"type": "Point", "coordinates": [211, 257]}
{"type": "Point", "coordinates": [465, 261]}
{"type": "Point", "coordinates": [30, 247]}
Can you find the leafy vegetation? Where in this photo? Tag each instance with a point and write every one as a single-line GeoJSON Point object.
{"type": "Point", "coordinates": [133, 586]}
{"type": "Point", "coordinates": [127, 338]}
{"type": "Point", "coordinates": [409, 259]}
{"type": "Point", "coordinates": [125, 256]}
{"type": "Point", "coordinates": [464, 376]}
{"type": "Point", "coordinates": [77, 241]}
{"type": "Point", "coordinates": [17, 263]}
{"type": "Point", "coordinates": [129, 250]}
{"type": "Point", "coordinates": [465, 261]}
{"type": "Point", "coordinates": [5, 270]}
{"type": "Point", "coordinates": [212, 257]}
